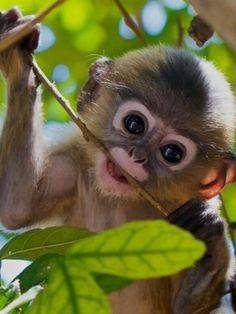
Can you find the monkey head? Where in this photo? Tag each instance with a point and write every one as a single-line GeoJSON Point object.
{"type": "Point", "coordinates": [168, 119]}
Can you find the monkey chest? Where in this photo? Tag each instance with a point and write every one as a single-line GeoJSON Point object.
{"type": "Point", "coordinates": [144, 297]}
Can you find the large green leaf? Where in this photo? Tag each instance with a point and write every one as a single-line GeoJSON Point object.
{"type": "Point", "coordinates": [34, 243]}
{"type": "Point", "coordinates": [139, 250]}
{"type": "Point", "coordinates": [38, 273]}
{"type": "Point", "coordinates": [70, 290]}
{"type": "Point", "coordinates": [111, 283]}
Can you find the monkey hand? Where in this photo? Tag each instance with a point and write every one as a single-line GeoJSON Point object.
{"type": "Point", "coordinates": [205, 224]}
{"type": "Point", "coordinates": [14, 61]}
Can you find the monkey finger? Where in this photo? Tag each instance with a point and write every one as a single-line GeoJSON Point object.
{"type": "Point", "coordinates": [8, 19]}
{"type": "Point", "coordinates": [186, 211]}
{"type": "Point", "coordinates": [210, 232]}
{"type": "Point", "coordinates": [32, 40]}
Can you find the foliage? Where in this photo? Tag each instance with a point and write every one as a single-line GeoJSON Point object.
{"type": "Point", "coordinates": [77, 269]}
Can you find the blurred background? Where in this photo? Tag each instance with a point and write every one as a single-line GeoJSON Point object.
{"type": "Point", "coordinates": [80, 31]}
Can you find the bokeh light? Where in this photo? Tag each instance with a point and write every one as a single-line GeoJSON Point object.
{"type": "Point", "coordinates": [70, 89]}
{"type": "Point", "coordinates": [125, 31]}
{"type": "Point", "coordinates": [216, 39]}
{"type": "Point", "coordinates": [47, 38]}
{"type": "Point", "coordinates": [154, 18]}
{"type": "Point", "coordinates": [60, 73]}
{"type": "Point", "coordinates": [190, 43]}
{"type": "Point", "coordinates": [11, 268]}
{"type": "Point", "coordinates": [191, 10]}
{"type": "Point", "coordinates": [175, 4]}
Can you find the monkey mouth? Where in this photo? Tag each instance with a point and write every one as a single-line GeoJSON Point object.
{"type": "Point", "coordinates": [115, 172]}
{"type": "Point", "coordinates": [110, 179]}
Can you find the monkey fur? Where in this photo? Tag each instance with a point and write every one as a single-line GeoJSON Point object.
{"type": "Point", "coordinates": [168, 119]}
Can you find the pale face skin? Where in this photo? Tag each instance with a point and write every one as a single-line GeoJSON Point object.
{"type": "Point", "coordinates": [157, 134]}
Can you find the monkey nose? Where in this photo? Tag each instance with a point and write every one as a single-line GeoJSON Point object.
{"type": "Point", "coordinates": [139, 157]}
{"type": "Point", "coordinates": [142, 161]}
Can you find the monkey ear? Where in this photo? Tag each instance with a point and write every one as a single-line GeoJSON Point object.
{"type": "Point", "coordinates": [216, 179]}
{"type": "Point", "coordinates": [97, 72]}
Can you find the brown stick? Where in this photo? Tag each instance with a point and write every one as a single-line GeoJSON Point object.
{"type": "Point", "coordinates": [220, 15]}
{"type": "Point", "coordinates": [180, 29]}
{"type": "Point", "coordinates": [130, 22]}
{"type": "Point", "coordinates": [89, 136]}
{"type": "Point", "coordinates": [22, 30]}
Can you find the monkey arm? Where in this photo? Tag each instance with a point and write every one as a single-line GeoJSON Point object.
{"type": "Point", "coordinates": [203, 285]}
{"type": "Point", "coordinates": [30, 178]}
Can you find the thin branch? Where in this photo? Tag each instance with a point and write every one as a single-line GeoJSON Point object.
{"type": "Point", "coordinates": [22, 30]}
{"type": "Point", "coordinates": [89, 136]}
{"type": "Point", "coordinates": [180, 29]}
{"type": "Point", "coordinates": [130, 22]}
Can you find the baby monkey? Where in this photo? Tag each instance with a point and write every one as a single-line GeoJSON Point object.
{"type": "Point", "coordinates": [167, 118]}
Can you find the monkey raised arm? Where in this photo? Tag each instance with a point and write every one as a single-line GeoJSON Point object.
{"type": "Point", "coordinates": [203, 285]}
{"type": "Point", "coordinates": [29, 179]}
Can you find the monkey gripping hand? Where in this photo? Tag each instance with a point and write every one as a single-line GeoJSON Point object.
{"type": "Point", "coordinates": [204, 284]}
{"type": "Point", "coordinates": [15, 60]}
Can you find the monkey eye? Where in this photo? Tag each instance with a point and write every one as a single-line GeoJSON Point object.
{"type": "Point", "coordinates": [172, 153]}
{"type": "Point", "coordinates": [176, 151]}
{"type": "Point", "coordinates": [134, 124]}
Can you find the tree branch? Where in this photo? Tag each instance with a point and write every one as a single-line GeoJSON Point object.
{"type": "Point", "coordinates": [130, 22]}
{"type": "Point", "coordinates": [22, 30]}
{"type": "Point", "coordinates": [220, 15]}
{"type": "Point", "coordinates": [180, 29]}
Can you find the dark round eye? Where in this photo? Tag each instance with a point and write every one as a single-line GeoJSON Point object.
{"type": "Point", "coordinates": [134, 124]}
{"type": "Point", "coordinates": [172, 153]}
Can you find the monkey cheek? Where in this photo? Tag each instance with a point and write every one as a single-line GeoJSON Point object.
{"type": "Point", "coordinates": [106, 182]}
{"type": "Point", "coordinates": [109, 179]}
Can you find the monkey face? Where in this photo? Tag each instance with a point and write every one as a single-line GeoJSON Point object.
{"type": "Point", "coordinates": [161, 112]}
{"type": "Point", "coordinates": [145, 147]}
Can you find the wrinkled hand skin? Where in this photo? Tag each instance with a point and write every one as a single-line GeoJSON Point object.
{"type": "Point", "coordinates": [15, 60]}
{"type": "Point", "coordinates": [203, 285]}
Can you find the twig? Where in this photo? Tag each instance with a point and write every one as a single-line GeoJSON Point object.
{"type": "Point", "coordinates": [89, 136]}
{"type": "Point", "coordinates": [22, 30]}
{"type": "Point", "coordinates": [130, 22]}
{"type": "Point", "coordinates": [180, 29]}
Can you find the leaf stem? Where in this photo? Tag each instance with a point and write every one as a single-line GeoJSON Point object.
{"type": "Point", "coordinates": [130, 22]}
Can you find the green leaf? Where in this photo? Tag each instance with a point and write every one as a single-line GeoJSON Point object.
{"type": "Point", "coordinates": [110, 283]}
{"type": "Point", "coordinates": [37, 273]}
{"type": "Point", "coordinates": [34, 243]}
{"type": "Point", "coordinates": [139, 250]}
{"type": "Point", "coordinates": [70, 290]}
{"type": "Point", "coordinates": [7, 295]}
{"type": "Point", "coordinates": [230, 201]}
